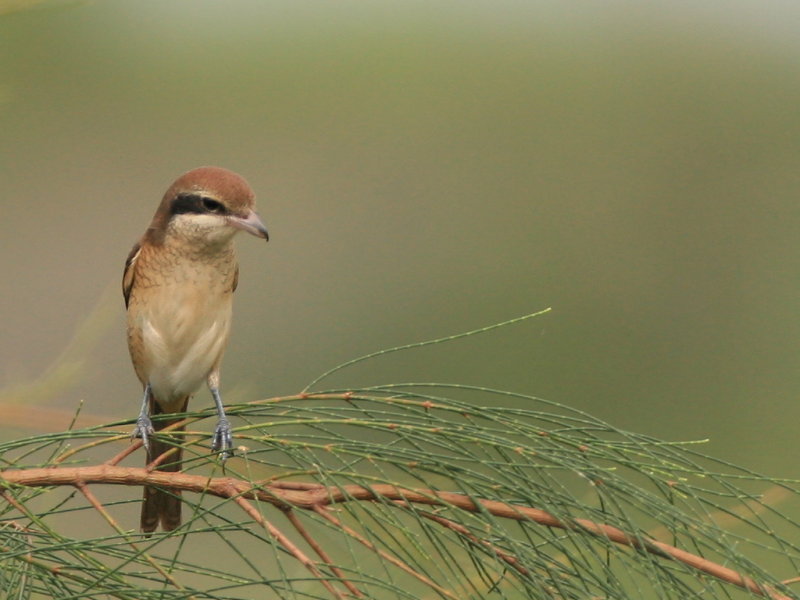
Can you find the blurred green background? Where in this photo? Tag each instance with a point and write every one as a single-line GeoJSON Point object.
{"type": "Point", "coordinates": [425, 169]}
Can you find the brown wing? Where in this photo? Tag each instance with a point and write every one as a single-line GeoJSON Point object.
{"type": "Point", "coordinates": [235, 279]}
{"type": "Point", "coordinates": [128, 274]}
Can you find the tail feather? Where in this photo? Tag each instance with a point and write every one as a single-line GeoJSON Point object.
{"type": "Point", "coordinates": [159, 506]}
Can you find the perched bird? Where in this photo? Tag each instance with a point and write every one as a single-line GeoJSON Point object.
{"type": "Point", "coordinates": [178, 285]}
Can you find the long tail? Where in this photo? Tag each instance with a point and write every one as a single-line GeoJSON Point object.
{"type": "Point", "coordinates": [159, 506]}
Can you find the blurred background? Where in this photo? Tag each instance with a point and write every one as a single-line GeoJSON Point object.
{"type": "Point", "coordinates": [423, 169]}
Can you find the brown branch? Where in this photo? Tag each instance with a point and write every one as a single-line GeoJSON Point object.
{"type": "Point", "coordinates": [312, 496]}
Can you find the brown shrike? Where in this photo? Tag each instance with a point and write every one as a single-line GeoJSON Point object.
{"type": "Point", "coordinates": [178, 285]}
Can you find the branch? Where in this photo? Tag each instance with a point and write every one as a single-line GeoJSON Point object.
{"type": "Point", "coordinates": [311, 496]}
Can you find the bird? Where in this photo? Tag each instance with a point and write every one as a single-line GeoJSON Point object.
{"type": "Point", "coordinates": [178, 287]}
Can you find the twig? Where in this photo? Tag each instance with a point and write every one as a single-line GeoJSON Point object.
{"type": "Point", "coordinates": [301, 529]}
{"type": "Point", "coordinates": [13, 502]}
{"type": "Point", "coordinates": [325, 512]}
{"type": "Point", "coordinates": [98, 506]}
{"type": "Point", "coordinates": [284, 541]}
{"type": "Point", "coordinates": [120, 456]}
{"type": "Point", "coordinates": [511, 560]}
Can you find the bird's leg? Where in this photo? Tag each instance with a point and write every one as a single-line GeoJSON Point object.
{"type": "Point", "coordinates": [144, 426]}
{"type": "Point", "coordinates": [223, 441]}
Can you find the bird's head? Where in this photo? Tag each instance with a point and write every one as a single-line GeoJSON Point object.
{"type": "Point", "coordinates": [207, 207]}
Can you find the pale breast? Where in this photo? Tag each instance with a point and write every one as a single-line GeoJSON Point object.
{"type": "Point", "coordinates": [178, 323]}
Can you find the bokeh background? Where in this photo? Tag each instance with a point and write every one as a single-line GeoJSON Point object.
{"type": "Point", "coordinates": [424, 168]}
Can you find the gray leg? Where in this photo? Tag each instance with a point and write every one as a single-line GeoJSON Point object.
{"type": "Point", "coordinates": [223, 442]}
{"type": "Point", "coordinates": [144, 426]}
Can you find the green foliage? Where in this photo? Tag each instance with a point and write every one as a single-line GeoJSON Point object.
{"type": "Point", "coordinates": [424, 437]}
{"type": "Point", "coordinates": [406, 490]}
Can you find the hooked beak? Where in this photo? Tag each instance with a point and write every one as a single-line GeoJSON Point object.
{"type": "Point", "coordinates": [251, 224]}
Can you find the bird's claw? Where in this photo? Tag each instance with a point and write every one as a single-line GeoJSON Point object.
{"type": "Point", "coordinates": [223, 440]}
{"type": "Point", "coordinates": [144, 429]}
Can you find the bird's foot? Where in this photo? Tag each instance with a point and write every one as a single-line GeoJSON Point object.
{"type": "Point", "coordinates": [223, 440]}
{"type": "Point", "coordinates": [144, 429]}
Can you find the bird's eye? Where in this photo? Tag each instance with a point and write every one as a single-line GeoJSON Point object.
{"type": "Point", "coordinates": [213, 206]}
